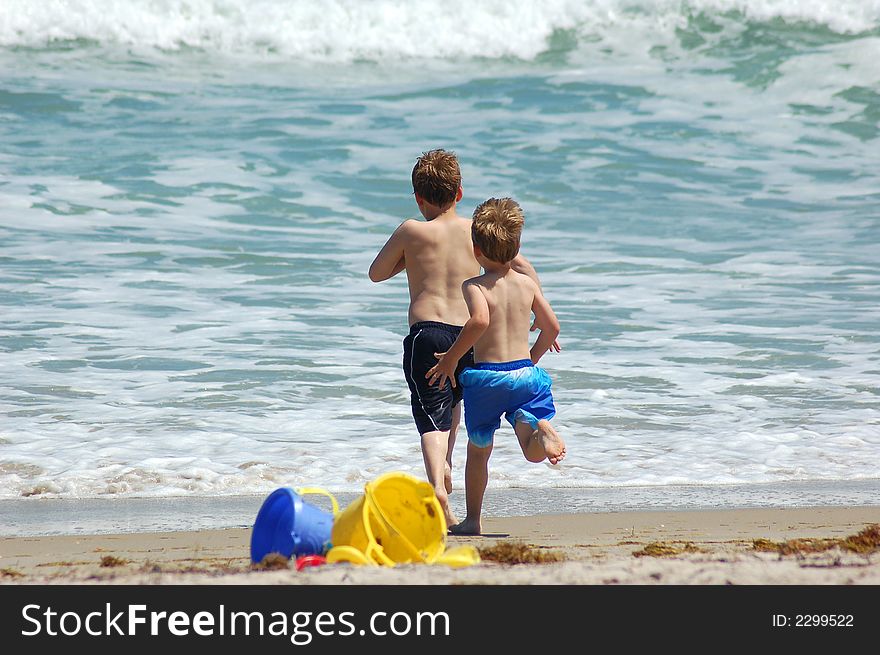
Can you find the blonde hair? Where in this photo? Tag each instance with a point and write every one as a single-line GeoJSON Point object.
{"type": "Point", "coordinates": [436, 177]}
{"type": "Point", "coordinates": [497, 228]}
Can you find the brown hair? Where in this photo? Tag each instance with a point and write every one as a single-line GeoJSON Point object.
{"type": "Point", "coordinates": [436, 177]}
{"type": "Point", "coordinates": [497, 228]}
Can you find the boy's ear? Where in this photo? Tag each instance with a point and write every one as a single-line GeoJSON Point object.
{"type": "Point", "coordinates": [477, 251]}
{"type": "Point", "coordinates": [459, 195]}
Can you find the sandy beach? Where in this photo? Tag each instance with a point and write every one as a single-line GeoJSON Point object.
{"type": "Point", "coordinates": [767, 546]}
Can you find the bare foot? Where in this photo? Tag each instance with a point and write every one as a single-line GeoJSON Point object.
{"type": "Point", "coordinates": [447, 478]}
{"type": "Point", "coordinates": [467, 527]}
{"type": "Point", "coordinates": [554, 446]}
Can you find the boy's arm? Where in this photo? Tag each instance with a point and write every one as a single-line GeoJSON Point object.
{"type": "Point", "coordinates": [522, 265]}
{"type": "Point", "coordinates": [470, 333]}
{"type": "Point", "coordinates": [399, 266]}
{"type": "Point", "coordinates": [390, 260]}
{"type": "Point", "coordinates": [547, 322]}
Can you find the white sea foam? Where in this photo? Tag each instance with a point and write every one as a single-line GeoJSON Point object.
{"type": "Point", "coordinates": [345, 30]}
{"type": "Point", "coordinates": [182, 276]}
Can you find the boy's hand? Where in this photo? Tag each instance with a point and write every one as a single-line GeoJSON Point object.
{"type": "Point", "coordinates": [555, 347]}
{"type": "Point", "coordinates": [444, 369]}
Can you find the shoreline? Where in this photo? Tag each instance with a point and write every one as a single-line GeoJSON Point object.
{"type": "Point", "coordinates": [684, 547]}
{"type": "Point", "coordinates": [40, 516]}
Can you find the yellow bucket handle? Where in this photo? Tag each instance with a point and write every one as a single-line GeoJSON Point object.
{"type": "Point", "coordinates": [348, 554]}
{"type": "Point", "coordinates": [371, 502]}
{"type": "Point", "coordinates": [374, 546]}
{"type": "Point", "coordinates": [302, 491]}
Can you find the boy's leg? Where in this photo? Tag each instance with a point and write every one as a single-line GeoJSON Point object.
{"type": "Point", "coordinates": [537, 437]}
{"type": "Point", "coordinates": [435, 409]}
{"type": "Point", "coordinates": [437, 449]}
{"type": "Point", "coordinates": [541, 443]}
{"type": "Point", "coordinates": [436, 453]}
{"type": "Point", "coordinates": [453, 431]}
{"type": "Point", "coordinates": [476, 477]}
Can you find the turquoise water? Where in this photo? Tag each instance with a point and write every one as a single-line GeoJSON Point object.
{"type": "Point", "coordinates": [191, 195]}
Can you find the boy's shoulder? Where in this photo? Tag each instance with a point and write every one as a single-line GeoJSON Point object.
{"type": "Point", "coordinates": [408, 227]}
{"type": "Point", "coordinates": [415, 234]}
{"type": "Point", "coordinates": [476, 279]}
{"type": "Point", "coordinates": [523, 282]}
{"type": "Point", "coordinates": [480, 280]}
{"type": "Point", "coordinates": [413, 227]}
{"type": "Point", "coordinates": [522, 278]}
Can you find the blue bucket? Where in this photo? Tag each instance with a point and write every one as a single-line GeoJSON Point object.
{"type": "Point", "coordinates": [289, 526]}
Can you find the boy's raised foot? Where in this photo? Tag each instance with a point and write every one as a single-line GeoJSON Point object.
{"type": "Point", "coordinates": [554, 446]}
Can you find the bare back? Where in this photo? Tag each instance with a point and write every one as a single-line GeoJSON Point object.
{"type": "Point", "coordinates": [439, 258]}
{"type": "Point", "coordinates": [509, 297]}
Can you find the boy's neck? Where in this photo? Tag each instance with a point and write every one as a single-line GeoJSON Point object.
{"type": "Point", "coordinates": [433, 212]}
{"type": "Point", "coordinates": [495, 268]}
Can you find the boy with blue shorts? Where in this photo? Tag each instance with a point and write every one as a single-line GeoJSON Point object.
{"type": "Point", "coordinates": [504, 380]}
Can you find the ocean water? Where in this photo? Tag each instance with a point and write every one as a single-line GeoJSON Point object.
{"type": "Point", "coordinates": [191, 193]}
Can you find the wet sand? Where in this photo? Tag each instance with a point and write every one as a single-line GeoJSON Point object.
{"type": "Point", "coordinates": [686, 547]}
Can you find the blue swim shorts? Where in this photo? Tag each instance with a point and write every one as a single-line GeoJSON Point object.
{"type": "Point", "coordinates": [519, 390]}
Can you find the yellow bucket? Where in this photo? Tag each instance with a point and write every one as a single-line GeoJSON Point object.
{"type": "Point", "coordinates": [397, 520]}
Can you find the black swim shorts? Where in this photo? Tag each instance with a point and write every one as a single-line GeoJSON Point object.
{"type": "Point", "coordinates": [431, 405]}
